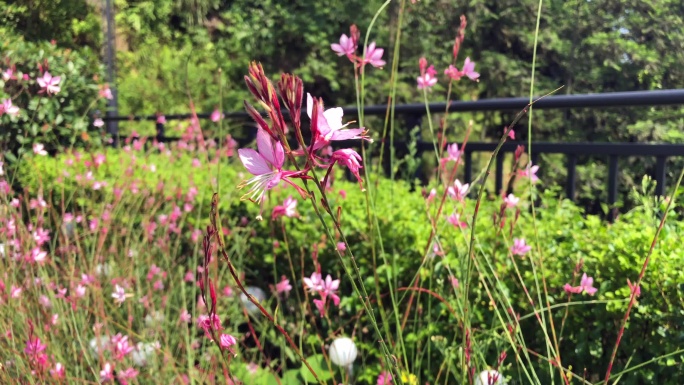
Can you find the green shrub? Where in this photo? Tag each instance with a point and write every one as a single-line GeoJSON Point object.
{"type": "Point", "coordinates": [58, 121]}
{"type": "Point", "coordinates": [610, 253]}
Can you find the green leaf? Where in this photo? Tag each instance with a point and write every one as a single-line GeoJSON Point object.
{"type": "Point", "coordinates": [319, 366]}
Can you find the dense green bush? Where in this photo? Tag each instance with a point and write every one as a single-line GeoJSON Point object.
{"type": "Point", "coordinates": [57, 121]}
{"type": "Point", "coordinates": [611, 253]}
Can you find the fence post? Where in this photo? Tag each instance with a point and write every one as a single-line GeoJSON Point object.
{"type": "Point", "coordinates": [660, 175]}
{"type": "Point", "coordinates": [612, 186]}
{"type": "Point", "coordinates": [468, 166]}
{"type": "Point", "coordinates": [499, 172]}
{"type": "Point", "coordinates": [113, 103]}
{"type": "Point", "coordinates": [572, 175]}
{"type": "Point", "coordinates": [412, 121]}
{"type": "Point", "coordinates": [161, 132]}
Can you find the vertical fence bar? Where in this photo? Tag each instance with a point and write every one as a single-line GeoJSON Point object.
{"type": "Point", "coordinates": [468, 166]}
{"type": "Point", "coordinates": [612, 186]}
{"type": "Point", "coordinates": [572, 175]}
{"type": "Point", "coordinates": [660, 175]}
{"type": "Point", "coordinates": [499, 172]}
{"type": "Point", "coordinates": [112, 104]}
{"type": "Point", "coordinates": [161, 132]}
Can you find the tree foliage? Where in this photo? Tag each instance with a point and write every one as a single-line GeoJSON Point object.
{"type": "Point", "coordinates": [168, 50]}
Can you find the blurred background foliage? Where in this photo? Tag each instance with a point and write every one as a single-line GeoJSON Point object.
{"type": "Point", "coordinates": [169, 49]}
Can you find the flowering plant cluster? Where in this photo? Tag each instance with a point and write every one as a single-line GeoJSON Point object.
{"type": "Point", "coordinates": [267, 163]}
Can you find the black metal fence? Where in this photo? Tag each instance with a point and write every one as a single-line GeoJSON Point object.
{"type": "Point", "coordinates": [414, 113]}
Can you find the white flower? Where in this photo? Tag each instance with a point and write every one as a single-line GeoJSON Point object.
{"type": "Point", "coordinates": [154, 318]}
{"type": "Point", "coordinates": [143, 352]}
{"type": "Point", "coordinates": [343, 352]}
{"type": "Point", "coordinates": [103, 269]}
{"type": "Point", "coordinates": [489, 377]}
{"type": "Point", "coordinates": [119, 294]}
{"type": "Point", "coordinates": [97, 346]}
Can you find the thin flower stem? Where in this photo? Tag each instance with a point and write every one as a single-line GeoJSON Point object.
{"type": "Point", "coordinates": [534, 221]}
{"type": "Point", "coordinates": [216, 223]}
{"type": "Point", "coordinates": [637, 284]}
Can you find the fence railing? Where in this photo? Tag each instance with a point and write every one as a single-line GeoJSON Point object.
{"type": "Point", "coordinates": [413, 114]}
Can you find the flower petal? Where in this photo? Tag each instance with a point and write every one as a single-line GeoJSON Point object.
{"type": "Point", "coordinates": [265, 146]}
{"type": "Point", "coordinates": [352, 133]}
{"type": "Point", "coordinates": [334, 117]}
{"type": "Point", "coordinates": [254, 162]}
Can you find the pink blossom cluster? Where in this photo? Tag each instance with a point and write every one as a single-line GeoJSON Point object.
{"type": "Point", "coordinates": [267, 162]}
{"type": "Point", "coordinates": [325, 288]}
{"type": "Point", "coordinates": [348, 46]}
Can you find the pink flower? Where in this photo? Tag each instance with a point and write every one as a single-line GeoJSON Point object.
{"type": "Point", "coordinates": [341, 246]}
{"type": "Point", "coordinates": [34, 347]}
{"type": "Point", "coordinates": [266, 166]}
{"type": "Point", "coordinates": [531, 172]}
{"type": "Point", "coordinates": [325, 288]}
{"type": "Point", "coordinates": [126, 375]}
{"type": "Point", "coordinates": [37, 255]}
{"type": "Point", "coordinates": [15, 291]}
{"type": "Point", "coordinates": [45, 301]}
{"type": "Point", "coordinates": [374, 56]}
{"type": "Point", "coordinates": [98, 123]}
{"type": "Point", "coordinates": [431, 196]}
{"type": "Point", "coordinates": [633, 288]}
{"type": "Point", "coordinates": [330, 125]}
{"type": "Point", "coordinates": [185, 317]}
{"type": "Point", "coordinates": [346, 46]}
{"type": "Point", "coordinates": [119, 294]}
{"type": "Point", "coordinates": [154, 270]}
{"type": "Point", "coordinates": [349, 158]}
{"type": "Point", "coordinates": [511, 134]}
{"type": "Point", "coordinates": [41, 236]}
{"type": "Point", "coordinates": [107, 374]}
{"type": "Point", "coordinates": [227, 291]}
{"type": "Point", "coordinates": [208, 323]}
{"type": "Point", "coordinates": [384, 378]}
{"type": "Point", "coordinates": [283, 286]}
{"type": "Point", "coordinates": [49, 83]}
{"type": "Point", "coordinates": [87, 279]}
{"type": "Point", "coordinates": [511, 200]}
{"type": "Point", "coordinates": [468, 70]}
{"type": "Point", "coordinates": [458, 191]}
{"type": "Point", "coordinates": [455, 220]}
{"type": "Point", "coordinates": [454, 282]}
{"type": "Point", "coordinates": [288, 209]}
{"type": "Point", "coordinates": [329, 288]}
{"type": "Point", "coordinates": [189, 275]}
{"type": "Point", "coordinates": [520, 247]}
{"type": "Point", "coordinates": [427, 77]}
{"type": "Point", "coordinates": [8, 74]}
{"type": "Point", "coordinates": [314, 283]}
{"type": "Point", "coordinates": [320, 305]}
{"type": "Point", "coordinates": [120, 346]}
{"type": "Point", "coordinates": [8, 108]}
{"type": "Point", "coordinates": [106, 92]}
{"type": "Point", "coordinates": [58, 373]}
{"type": "Point", "coordinates": [586, 285]}
{"type": "Point", "coordinates": [39, 149]}
{"type": "Point", "coordinates": [453, 154]}
{"type": "Point", "coordinates": [80, 291]}
{"type": "Point", "coordinates": [226, 341]}
{"type": "Point", "coordinates": [216, 116]}
{"type": "Point", "coordinates": [161, 119]}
